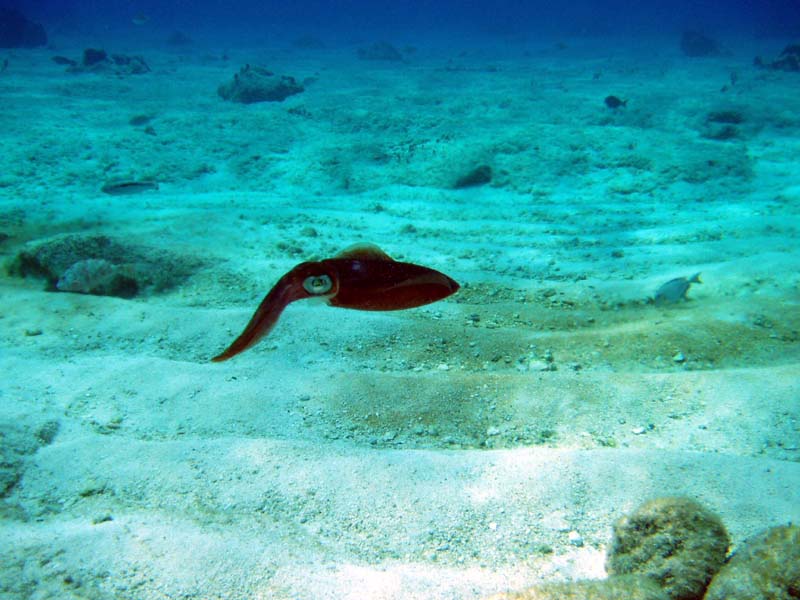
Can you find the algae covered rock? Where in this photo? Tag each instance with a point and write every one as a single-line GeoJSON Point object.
{"type": "Point", "coordinates": [675, 541]}
{"type": "Point", "coordinates": [255, 84]}
{"type": "Point", "coordinates": [101, 265]}
{"type": "Point", "coordinates": [625, 587]}
{"type": "Point", "coordinates": [767, 567]}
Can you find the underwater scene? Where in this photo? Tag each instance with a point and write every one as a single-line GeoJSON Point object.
{"type": "Point", "coordinates": [400, 300]}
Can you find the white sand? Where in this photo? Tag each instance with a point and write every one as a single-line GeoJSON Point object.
{"type": "Point", "coordinates": [419, 454]}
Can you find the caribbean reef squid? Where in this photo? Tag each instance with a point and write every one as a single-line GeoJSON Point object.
{"type": "Point", "coordinates": [362, 277]}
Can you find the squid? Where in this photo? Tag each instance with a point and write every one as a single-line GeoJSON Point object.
{"type": "Point", "coordinates": [363, 277]}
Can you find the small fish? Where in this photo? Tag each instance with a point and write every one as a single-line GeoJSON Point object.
{"type": "Point", "coordinates": [63, 60]}
{"type": "Point", "coordinates": [140, 20]}
{"type": "Point", "coordinates": [4, 66]}
{"type": "Point", "coordinates": [675, 289]}
{"type": "Point", "coordinates": [129, 188]}
{"type": "Point", "coordinates": [139, 120]}
{"type": "Point", "coordinates": [614, 102]}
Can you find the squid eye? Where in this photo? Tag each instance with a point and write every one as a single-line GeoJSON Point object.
{"type": "Point", "coordinates": [317, 284]}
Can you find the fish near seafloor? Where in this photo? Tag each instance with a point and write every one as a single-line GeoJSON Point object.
{"type": "Point", "coordinates": [63, 60]}
{"type": "Point", "coordinates": [614, 102]}
{"type": "Point", "coordinates": [128, 188]}
{"type": "Point", "coordinates": [675, 289]}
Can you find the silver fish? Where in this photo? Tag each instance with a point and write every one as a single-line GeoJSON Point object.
{"type": "Point", "coordinates": [128, 188]}
{"type": "Point", "coordinates": [675, 289]}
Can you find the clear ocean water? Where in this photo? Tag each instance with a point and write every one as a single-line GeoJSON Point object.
{"type": "Point", "coordinates": [399, 300]}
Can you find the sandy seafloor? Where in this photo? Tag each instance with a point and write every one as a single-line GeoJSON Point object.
{"type": "Point", "coordinates": [420, 454]}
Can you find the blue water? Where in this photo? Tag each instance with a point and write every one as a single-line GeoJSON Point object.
{"type": "Point", "coordinates": [241, 21]}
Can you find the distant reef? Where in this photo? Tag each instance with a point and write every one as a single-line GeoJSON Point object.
{"type": "Point", "coordinates": [697, 44]}
{"type": "Point", "coordinates": [380, 51]}
{"type": "Point", "coordinates": [789, 60]}
{"type": "Point", "coordinates": [17, 31]}
{"type": "Point", "coordinates": [97, 60]}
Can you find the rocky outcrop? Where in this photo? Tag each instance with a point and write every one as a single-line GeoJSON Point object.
{"type": "Point", "coordinates": [256, 84]}
{"type": "Point", "coordinates": [97, 60]}
{"type": "Point", "coordinates": [103, 266]}
{"type": "Point", "coordinates": [789, 60]}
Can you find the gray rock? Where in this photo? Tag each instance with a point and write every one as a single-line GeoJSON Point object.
{"type": "Point", "coordinates": [256, 84]}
